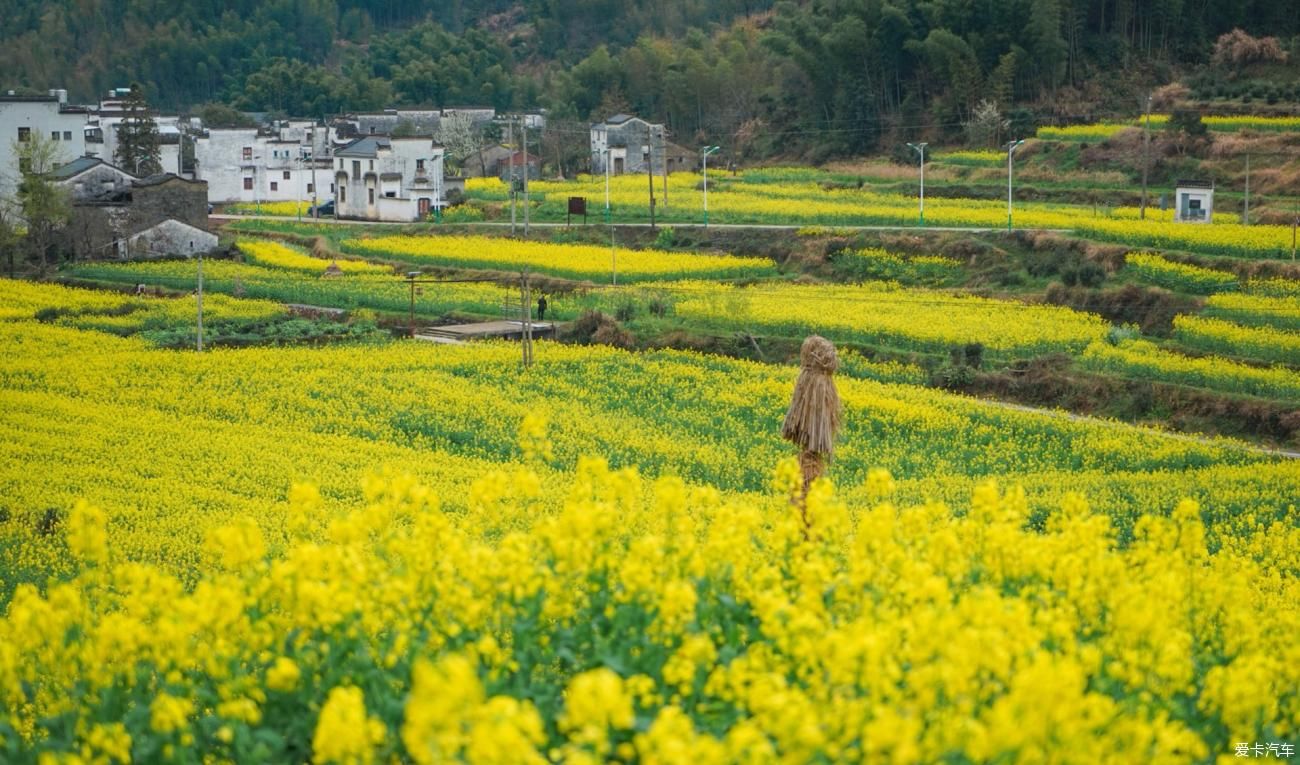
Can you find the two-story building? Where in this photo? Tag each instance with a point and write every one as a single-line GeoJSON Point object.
{"type": "Point", "coordinates": [387, 178]}
{"type": "Point", "coordinates": [50, 117]}
{"type": "Point", "coordinates": [627, 144]}
{"type": "Point", "coordinates": [287, 161]}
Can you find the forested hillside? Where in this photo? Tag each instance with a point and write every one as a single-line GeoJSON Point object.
{"type": "Point", "coordinates": [824, 77]}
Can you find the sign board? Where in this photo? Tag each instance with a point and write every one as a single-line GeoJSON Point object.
{"type": "Point", "coordinates": [577, 206]}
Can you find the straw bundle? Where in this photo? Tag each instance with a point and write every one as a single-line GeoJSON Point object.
{"type": "Point", "coordinates": [814, 415]}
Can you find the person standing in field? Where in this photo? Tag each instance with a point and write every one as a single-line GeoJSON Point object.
{"type": "Point", "coordinates": [541, 307]}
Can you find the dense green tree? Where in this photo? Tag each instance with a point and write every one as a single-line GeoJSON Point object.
{"type": "Point", "coordinates": [138, 145]}
{"type": "Point", "coordinates": [826, 75]}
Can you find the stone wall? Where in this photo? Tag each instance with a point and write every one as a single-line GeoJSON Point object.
{"type": "Point", "coordinates": [100, 230]}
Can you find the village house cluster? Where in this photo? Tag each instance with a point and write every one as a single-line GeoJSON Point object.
{"type": "Point", "coordinates": [380, 166]}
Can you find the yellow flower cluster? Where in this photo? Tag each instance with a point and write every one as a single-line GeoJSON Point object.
{"type": "Point", "coordinates": [578, 261]}
{"type": "Point", "coordinates": [1279, 312]}
{"type": "Point", "coordinates": [1145, 360]}
{"type": "Point", "coordinates": [361, 555]}
{"type": "Point", "coordinates": [972, 157]}
{"type": "Point", "coordinates": [1236, 340]}
{"type": "Point", "coordinates": [1219, 123]}
{"type": "Point", "coordinates": [265, 417]}
{"type": "Point", "coordinates": [277, 255]}
{"type": "Point", "coordinates": [122, 313]}
{"type": "Point", "coordinates": [344, 733]}
{"type": "Point", "coordinates": [285, 209]}
{"type": "Point", "coordinates": [885, 315]}
{"type": "Point", "coordinates": [1277, 287]}
{"type": "Point", "coordinates": [1181, 277]}
{"type": "Point", "coordinates": [375, 291]}
{"type": "Point", "coordinates": [21, 299]}
{"type": "Point", "coordinates": [663, 623]}
{"type": "Point", "coordinates": [923, 270]}
{"type": "Point", "coordinates": [1098, 131]}
{"type": "Point", "coordinates": [801, 197]}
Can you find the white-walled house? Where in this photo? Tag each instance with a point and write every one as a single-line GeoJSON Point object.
{"type": "Point", "coordinates": [628, 144]}
{"type": "Point", "coordinates": [388, 179]}
{"type": "Point", "coordinates": [287, 162]}
{"type": "Point", "coordinates": [50, 117]}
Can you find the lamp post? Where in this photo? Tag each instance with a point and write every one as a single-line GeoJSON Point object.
{"type": "Point", "coordinates": [919, 148]}
{"type": "Point", "coordinates": [1011, 150]}
{"type": "Point", "coordinates": [609, 158]}
{"type": "Point", "coordinates": [704, 155]}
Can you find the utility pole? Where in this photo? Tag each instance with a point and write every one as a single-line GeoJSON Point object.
{"type": "Point", "coordinates": [663, 156]}
{"type": "Point", "coordinates": [1245, 211]}
{"type": "Point", "coordinates": [526, 319]}
{"type": "Point", "coordinates": [650, 174]}
{"type": "Point", "coordinates": [1146, 151]}
{"type": "Point", "coordinates": [410, 319]}
{"type": "Point", "coordinates": [609, 158]}
{"type": "Point", "coordinates": [919, 148]}
{"type": "Point", "coordinates": [199, 346]}
{"type": "Point", "coordinates": [704, 157]}
{"type": "Point", "coordinates": [511, 136]}
{"type": "Point", "coordinates": [1011, 150]}
{"type": "Point", "coordinates": [523, 126]}
{"type": "Point", "coordinates": [315, 190]}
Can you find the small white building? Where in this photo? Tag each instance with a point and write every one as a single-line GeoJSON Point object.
{"type": "Point", "coordinates": [1194, 201]}
{"type": "Point", "coordinates": [50, 117]}
{"type": "Point", "coordinates": [388, 179]}
{"type": "Point", "coordinates": [169, 238]}
{"type": "Point", "coordinates": [286, 162]}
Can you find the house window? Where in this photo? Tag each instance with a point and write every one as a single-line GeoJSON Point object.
{"type": "Point", "coordinates": [54, 135]}
{"type": "Point", "coordinates": [275, 186]}
{"type": "Point", "coordinates": [248, 184]}
{"type": "Point", "coordinates": [343, 193]}
{"type": "Point", "coordinates": [24, 165]}
{"type": "Point", "coordinates": [419, 165]}
{"type": "Point", "coordinates": [356, 169]}
{"type": "Point", "coordinates": [311, 188]}
{"type": "Point", "coordinates": [24, 134]}
{"type": "Point", "coordinates": [67, 135]}
{"type": "Point", "coordinates": [286, 175]}
{"type": "Point", "coordinates": [248, 153]}
{"type": "Point", "coordinates": [331, 188]}
{"type": "Point", "coordinates": [372, 195]}
{"type": "Point", "coordinates": [372, 165]}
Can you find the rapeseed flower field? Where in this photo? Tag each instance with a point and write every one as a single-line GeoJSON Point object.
{"type": "Point", "coordinates": [414, 553]}
{"type": "Point", "coordinates": [576, 261]}
{"type": "Point", "coordinates": [881, 313]}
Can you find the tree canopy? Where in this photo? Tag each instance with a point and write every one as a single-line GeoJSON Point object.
{"type": "Point", "coordinates": [830, 76]}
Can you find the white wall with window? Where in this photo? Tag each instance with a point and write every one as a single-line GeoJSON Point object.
{"type": "Point", "coordinates": [22, 117]}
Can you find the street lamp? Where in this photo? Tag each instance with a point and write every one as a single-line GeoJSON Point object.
{"type": "Point", "coordinates": [1011, 150]}
{"type": "Point", "coordinates": [919, 148]}
{"type": "Point", "coordinates": [704, 155]}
